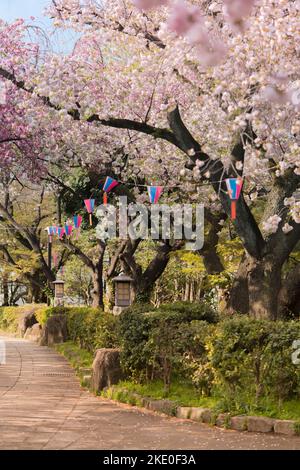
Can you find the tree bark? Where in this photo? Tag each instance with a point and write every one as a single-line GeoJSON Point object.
{"type": "Point", "coordinates": [97, 292]}
{"type": "Point", "coordinates": [211, 259]}
{"type": "Point", "coordinates": [5, 290]}
{"type": "Point", "coordinates": [238, 300]}
{"type": "Point", "coordinates": [264, 282]}
{"type": "Point", "coordinates": [289, 296]}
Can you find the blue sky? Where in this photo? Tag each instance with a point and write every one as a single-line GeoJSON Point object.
{"type": "Point", "coordinates": [10, 10]}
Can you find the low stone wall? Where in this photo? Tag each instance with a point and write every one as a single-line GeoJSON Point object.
{"type": "Point", "coordinates": [238, 423]}
{"type": "Point", "coordinates": [209, 416]}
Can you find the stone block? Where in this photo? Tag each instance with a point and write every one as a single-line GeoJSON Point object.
{"type": "Point", "coordinates": [106, 369]}
{"type": "Point", "coordinates": [183, 412]}
{"type": "Point", "coordinates": [285, 426]}
{"type": "Point", "coordinates": [223, 420]}
{"type": "Point", "coordinates": [260, 424]}
{"type": "Point", "coordinates": [238, 423]}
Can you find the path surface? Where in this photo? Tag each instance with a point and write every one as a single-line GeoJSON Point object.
{"type": "Point", "coordinates": [43, 407]}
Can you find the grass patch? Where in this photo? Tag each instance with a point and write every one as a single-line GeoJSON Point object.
{"type": "Point", "coordinates": [181, 393]}
{"type": "Point", "coordinates": [287, 410]}
{"type": "Point", "coordinates": [185, 394]}
{"type": "Point", "coordinates": [79, 358]}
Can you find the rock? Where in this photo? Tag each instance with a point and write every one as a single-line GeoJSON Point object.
{"type": "Point", "coordinates": [163, 406]}
{"type": "Point", "coordinates": [285, 426]}
{"type": "Point", "coordinates": [86, 380]}
{"type": "Point", "coordinates": [106, 369]}
{"type": "Point", "coordinates": [183, 412]}
{"type": "Point", "coordinates": [34, 333]}
{"type": "Point", "coordinates": [200, 414]}
{"type": "Point", "coordinates": [223, 420]}
{"type": "Point", "coordinates": [27, 320]}
{"type": "Point", "coordinates": [238, 423]}
{"type": "Point", "coordinates": [55, 330]}
{"type": "Point", "coordinates": [260, 424]}
{"type": "Point", "coordinates": [145, 402]}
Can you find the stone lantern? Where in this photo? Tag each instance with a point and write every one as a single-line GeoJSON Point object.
{"type": "Point", "coordinates": [59, 288]}
{"type": "Point", "coordinates": [123, 292]}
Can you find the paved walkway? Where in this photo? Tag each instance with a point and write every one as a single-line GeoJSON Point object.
{"type": "Point", "coordinates": [43, 407]}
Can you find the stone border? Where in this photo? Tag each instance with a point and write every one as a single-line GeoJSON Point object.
{"type": "Point", "coordinates": [208, 416]}
{"type": "Point", "coordinates": [239, 423]}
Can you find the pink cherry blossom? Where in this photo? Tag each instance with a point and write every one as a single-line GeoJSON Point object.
{"type": "Point", "coordinates": [184, 18]}
{"type": "Point", "coordinates": [238, 9]}
{"type": "Point", "coordinates": [146, 5]}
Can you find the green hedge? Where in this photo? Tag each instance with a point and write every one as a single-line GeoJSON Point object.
{"type": "Point", "coordinates": [252, 360]}
{"type": "Point", "coordinates": [242, 360]}
{"type": "Point", "coordinates": [10, 316]}
{"type": "Point", "coordinates": [154, 341]}
{"type": "Point", "coordinates": [92, 328]}
{"type": "Point", "coordinates": [88, 327]}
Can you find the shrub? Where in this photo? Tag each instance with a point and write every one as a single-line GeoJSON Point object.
{"type": "Point", "coordinates": [195, 361]}
{"type": "Point", "coordinates": [91, 328]}
{"type": "Point", "coordinates": [88, 327]}
{"type": "Point", "coordinates": [10, 316]}
{"type": "Point", "coordinates": [251, 359]}
{"type": "Point", "coordinates": [154, 341]}
{"type": "Point", "coordinates": [42, 314]}
{"type": "Point", "coordinates": [189, 311]}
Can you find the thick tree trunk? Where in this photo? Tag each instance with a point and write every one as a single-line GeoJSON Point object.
{"type": "Point", "coordinates": [289, 296]}
{"type": "Point", "coordinates": [256, 288]}
{"type": "Point", "coordinates": [264, 282]}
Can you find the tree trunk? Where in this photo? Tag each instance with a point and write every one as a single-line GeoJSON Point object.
{"type": "Point", "coordinates": [186, 291]}
{"type": "Point", "coordinates": [289, 296]}
{"type": "Point", "coordinates": [239, 294]}
{"type": "Point", "coordinates": [97, 291]}
{"type": "Point", "coordinates": [264, 282]}
{"type": "Point", "coordinates": [256, 288]}
{"type": "Point", "coordinates": [191, 297]}
{"type": "Point", "coordinates": [5, 290]}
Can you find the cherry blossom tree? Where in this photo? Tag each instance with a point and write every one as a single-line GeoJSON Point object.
{"type": "Point", "coordinates": [210, 87]}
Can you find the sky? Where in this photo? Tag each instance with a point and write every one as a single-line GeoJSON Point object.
{"type": "Point", "coordinates": [63, 41]}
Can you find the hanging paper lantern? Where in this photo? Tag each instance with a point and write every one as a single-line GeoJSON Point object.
{"type": "Point", "coordinates": [60, 231]}
{"type": "Point", "coordinates": [234, 187]}
{"type": "Point", "coordinates": [68, 230]}
{"type": "Point", "coordinates": [109, 184]}
{"type": "Point", "coordinates": [154, 193]}
{"type": "Point", "coordinates": [77, 219]}
{"type": "Point", "coordinates": [90, 204]}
